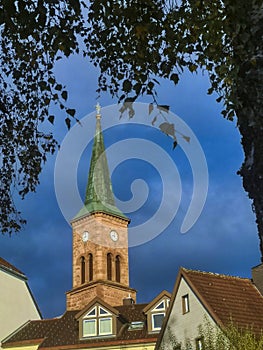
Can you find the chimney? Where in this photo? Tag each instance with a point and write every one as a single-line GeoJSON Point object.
{"type": "Point", "coordinates": [257, 277]}
{"type": "Point", "coordinates": [128, 300]}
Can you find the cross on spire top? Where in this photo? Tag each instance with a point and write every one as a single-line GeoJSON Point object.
{"type": "Point", "coordinates": [98, 109]}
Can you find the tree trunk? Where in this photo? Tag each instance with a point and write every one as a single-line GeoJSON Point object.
{"type": "Point", "coordinates": [250, 119]}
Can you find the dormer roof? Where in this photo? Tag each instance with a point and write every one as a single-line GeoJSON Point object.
{"type": "Point", "coordinates": [100, 302]}
{"type": "Point", "coordinates": [63, 332]}
{"type": "Point", "coordinates": [163, 295]}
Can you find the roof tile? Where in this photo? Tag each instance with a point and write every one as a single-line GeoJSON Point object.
{"type": "Point", "coordinates": [230, 298]}
{"type": "Point", "coordinates": [7, 265]}
{"type": "Point", "coordinates": [64, 331]}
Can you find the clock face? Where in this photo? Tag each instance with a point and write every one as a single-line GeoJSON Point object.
{"type": "Point", "coordinates": [114, 235]}
{"type": "Point", "coordinates": [85, 236]}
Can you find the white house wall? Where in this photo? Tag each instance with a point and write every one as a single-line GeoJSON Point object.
{"type": "Point", "coordinates": [16, 303]}
{"type": "Point", "coordinates": [184, 326]}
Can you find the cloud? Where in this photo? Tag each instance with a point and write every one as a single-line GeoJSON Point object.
{"type": "Point", "coordinates": [224, 239]}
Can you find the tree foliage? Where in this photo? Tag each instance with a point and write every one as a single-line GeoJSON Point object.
{"type": "Point", "coordinates": [33, 36]}
{"type": "Point", "coordinates": [134, 43]}
{"type": "Point", "coordinates": [211, 337]}
{"type": "Point", "coordinates": [230, 338]}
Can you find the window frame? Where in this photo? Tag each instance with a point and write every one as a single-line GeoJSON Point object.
{"type": "Point", "coordinates": [86, 320]}
{"type": "Point", "coordinates": [152, 317]}
{"type": "Point", "coordinates": [82, 270]}
{"type": "Point", "coordinates": [185, 304]}
{"type": "Point", "coordinates": [199, 343]}
{"type": "Point", "coordinates": [160, 307]}
{"type": "Point", "coordinates": [136, 325]}
{"type": "Point", "coordinates": [97, 318]}
{"type": "Point", "coordinates": [99, 328]}
{"type": "Point", "coordinates": [118, 268]}
{"type": "Point", "coordinates": [109, 266]}
{"type": "Point", "coordinates": [90, 267]}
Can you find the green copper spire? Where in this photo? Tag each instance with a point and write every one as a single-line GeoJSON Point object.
{"type": "Point", "coordinates": [99, 196]}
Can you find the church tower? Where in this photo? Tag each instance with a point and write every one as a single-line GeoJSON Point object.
{"type": "Point", "coordinates": [100, 238]}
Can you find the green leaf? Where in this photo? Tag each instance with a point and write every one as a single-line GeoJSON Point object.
{"type": "Point", "coordinates": [192, 67]}
{"type": "Point", "coordinates": [68, 123]}
{"type": "Point", "coordinates": [51, 119]}
{"type": "Point", "coordinates": [168, 129]}
{"type": "Point", "coordinates": [150, 85]}
{"type": "Point", "coordinates": [126, 86]}
{"type": "Point", "coordinates": [175, 78]}
{"type": "Point", "coordinates": [164, 108]}
{"type": "Point", "coordinates": [51, 80]}
{"type": "Point", "coordinates": [64, 95]}
{"type": "Point", "coordinates": [187, 138]}
{"type": "Point", "coordinates": [151, 107]}
{"type": "Point", "coordinates": [58, 87]}
{"type": "Point", "coordinates": [154, 120]}
{"type": "Point", "coordinates": [71, 111]}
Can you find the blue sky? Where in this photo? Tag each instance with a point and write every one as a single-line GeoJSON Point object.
{"type": "Point", "coordinates": [223, 240]}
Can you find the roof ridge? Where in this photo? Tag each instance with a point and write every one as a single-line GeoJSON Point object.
{"type": "Point", "coordinates": [8, 266]}
{"type": "Point", "coordinates": [215, 274]}
{"type": "Point", "coordinates": [46, 320]}
{"type": "Point", "coordinates": [131, 305]}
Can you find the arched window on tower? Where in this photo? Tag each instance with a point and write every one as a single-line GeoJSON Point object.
{"type": "Point", "coordinates": [90, 267]}
{"type": "Point", "coordinates": [83, 268]}
{"type": "Point", "coordinates": [118, 268]}
{"type": "Point", "coordinates": [109, 266]}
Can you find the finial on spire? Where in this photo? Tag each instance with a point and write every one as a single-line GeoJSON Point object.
{"type": "Point", "coordinates": [98, 109]}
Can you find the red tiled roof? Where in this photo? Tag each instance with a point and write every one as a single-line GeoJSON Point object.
{"type": "Point", "coordinates": [64, 331]}
{"type": "Point", "coordinates": [228, 298]}
{"type": "Point", "coordinates": [133, 312]}
{"type": "Point", "coordinates": [5, 264]}
{"type": "Point", "coordinates": [32, 331]}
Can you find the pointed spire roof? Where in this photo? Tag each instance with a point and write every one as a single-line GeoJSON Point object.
{"type": "Point", "coordinates": [99, 195]}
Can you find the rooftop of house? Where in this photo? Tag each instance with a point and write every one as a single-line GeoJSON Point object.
{"type": "Point", "coordinates": [227, 298]}
{"type": "Point", "coordinates": [5, 265]}
{"type": "Point", "coordinates": [64, 331]}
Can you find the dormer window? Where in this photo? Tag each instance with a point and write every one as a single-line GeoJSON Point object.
{"type": "Point", "coordinates": [157, 320]}
{"type": "Point", "coordinates": [105, 326]}
{"type": "Point", "coordinates": [156, 311]}
{"type": "Point", "coordinates": [158, 314]}
{"type": "Point", "coordinates": [97, 322]}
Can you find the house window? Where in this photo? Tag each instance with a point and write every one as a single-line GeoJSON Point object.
{"type": "Point", "coordinates": [160, 306]}
{"type": "Point", "coordinates": [83, 269]}
{"type": "Point", "coordinates": [109, 266]}
{"type": "Point", "coordinates": [157, 315]}
{"type": "Point", "coordinates": [157, 320]}
{"type": "Point", "coordinates": [199, 342]}
{"type": "Point", "coordinates": [90, 267]}
{"type": "Point", "coordinates": [118, 268]}
{"type": "Point", "coordinates": [135, 325]}
{"type": "Point", "coordinates": [185, 304]}
{"type": "Point", "coordinates": [89, 328]}
{"type": "Point", "coordinates": [105, 326]}
{"type": "Point", "coordinates": [97, 322]}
